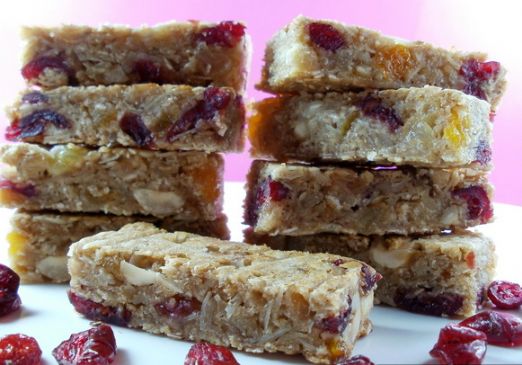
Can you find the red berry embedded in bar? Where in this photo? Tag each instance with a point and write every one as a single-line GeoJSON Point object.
{"type": "Point", "coordinates": [36, 67]}
{"type": "Point", "coordinates": [214, 100]}
{"type": "Point", "coordinates": [225, 34]}
{"type": "Point", "coordinates": [132, 124]}
{"type": "Point", "coordinates": [28, 190]}
{"type": "Point", "coordinates": [369, 279]}
{"type": "Point", "coordinates": [147, 71]}
{"type": "Point", "coordinates": [427, 302]}
{"type": "Point", "coordinates": [277, 191]}
{"type": "Point", "coordinates": [99, 312]}
{"type": "Point", "coordinates": [34, 124]}
{"type": "Point", "coordinates": [476, 74]}
{"type": "Point", "coordinates": [479, 205]}
{"type": "Point", "coordinates": [34, 97]}
{"type": "Point", "coordinates": [326, 36]}
{"type": "Point", "coordinates": [373, 107]}
{"type": "Point", "coordinates": [178, 307]}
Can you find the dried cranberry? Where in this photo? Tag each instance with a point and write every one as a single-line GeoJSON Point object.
{"type": "Point", "coordinates": [505, 295]}
{"type": "Point", "coordinates": [356, 360]}
{"type": "Point", "coordinates": [18, 349]}
{"type": "Point", "coordinates": [338, 262]}
{"type": "Point", "coordinates": [269, 188]}
{"type": "Point", "coordinates": [34, 68]}
{"type": "Point", "coordinates": [147, 71]}
{"type": "Point", "coordinates": [277, 191]}
{"type": "Point", "coordinates": [479, 206]}
{"type": "Point", "coordinates": [98, 312]}
{"type": "Point", "coordinates": [428, 303]}
{"type": "Point", "coordinates": [9, 283]}
{"type": "Point", "coordinates": [459, 345]}
{"type": "Point", "coordinates": [336, 323]}
{"type": "Point", "coordinates": [9, 303]}
{"type": "Point", "coordinates": [373, 107]}
{"type": "Point", "coordinates": [214, 100]}
{"type": "Point", "coordinates": [132, 124]}
{"type": "Point", "coordinates": [481, 297]}
{"type": "Point", "coordinates": [12, 132]}
{"type": "Point", "coordinates": [34, 97]}
{"type": "Point", "coordinates": [34, 124]}
{"type": "Point", "coordinates": [9, 280]}
{"type": "Point", "coordinates": [483, 153]}
{"type": "Point", "coordinates": [96, 346]}
{"type": "Point", "coordinates": [208, 354]}
{"type": "Point", "coordinates": [492, 116]}
{"type": "Point", "coordinates": [475, 74]}
{"type": "Point", "coordinates": [369, 278]}
{"type": "Point", "coordinates": [178, 307]}
{"type": "Point", "coordinates": [28, 190]}
{"type": "Point", "coordinates": [500, 328]}
{"type": "Point", "coordinates": [225, 34]}
{"type": "Point", "coordinates": [326, 36]}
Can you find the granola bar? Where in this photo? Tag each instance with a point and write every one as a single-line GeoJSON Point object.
{"type": "Point", "coordinates": [426, 127]}
{"type": "Point", "coordinates": [323, 55]}
{"type": "Point", "coordinates": [168, 117]}
{"type": "Point", "coordinates": [192, 53]}
{"type": "Point", "coordinates": [120, 181]}
{"type": "Point", "coordinates": [38, 242]}
{"type": "Point", "coordinates": [292, 199]}
{"type": "Point", "coordinates": [442, 275]}
{"type": "Point", "coordinates": [203, 289]}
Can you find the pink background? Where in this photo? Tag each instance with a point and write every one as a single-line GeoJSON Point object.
{"type": "Point", "coordinates": [469, 25]}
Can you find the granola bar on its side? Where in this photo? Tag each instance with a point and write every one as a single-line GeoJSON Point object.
{"type": "Point", "coordinates": [248, 297]}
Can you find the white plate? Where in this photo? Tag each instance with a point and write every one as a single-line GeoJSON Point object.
{"type": "Point", "coordinates": [398, 337]}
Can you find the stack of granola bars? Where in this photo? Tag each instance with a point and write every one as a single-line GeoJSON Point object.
{"type": "Point", "coordinates": [120, 125]}
{"type": "Point", "coordinates": [379, 150]}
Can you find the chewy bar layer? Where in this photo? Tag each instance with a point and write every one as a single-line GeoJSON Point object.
{"type": "Point", "coordinates": [38, 242]}
{"type": "Point", "coordinates": [285, 199]}
{"type": "Point", "coordinates": [442, 275]}
{"type": "Point", "coordinates": [427, 127]}
{"type": "Point", "coordinates": [168, 117]}
{"type": "Point", "coordinates": [192, 53]}
{"type": "Point", "coordinates": [202, 289]}
{"type": "Point", "coordinates": [120, 181]}
{"type": "Point", "coordinates": [322, 55]}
